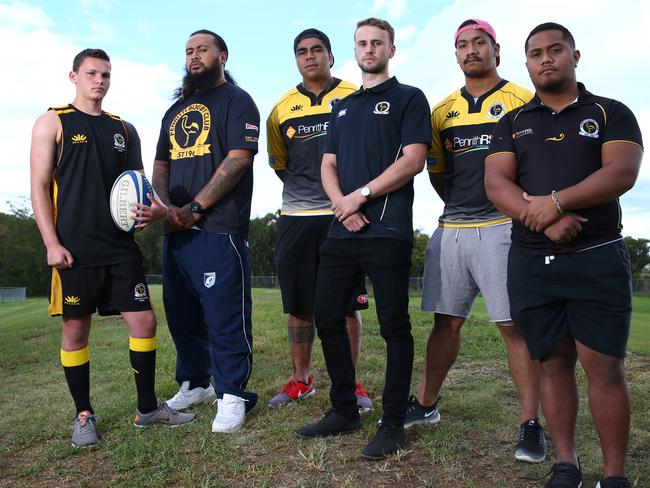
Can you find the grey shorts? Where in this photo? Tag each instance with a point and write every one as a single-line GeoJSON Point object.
{"type": "Point", "coordinates": [460, 263]}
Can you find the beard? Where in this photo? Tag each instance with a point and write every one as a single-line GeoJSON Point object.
{"type": "Point", "coordinates": [379, 67]}
{"type": "Point", "coordinates": [199, 82]}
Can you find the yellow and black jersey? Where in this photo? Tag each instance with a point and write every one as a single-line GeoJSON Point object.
{"type": "Point", "coordinates": [462, 131]}
{"type": "Point", "coordinates": [296, 130]}
{"type": "Point", "coordinates": [93, 151]}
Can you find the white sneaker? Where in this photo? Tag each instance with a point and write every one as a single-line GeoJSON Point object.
{"type": "Point", "coordinates": [231, 413]}
{"type": "Point", "coordinates": [186, 397]}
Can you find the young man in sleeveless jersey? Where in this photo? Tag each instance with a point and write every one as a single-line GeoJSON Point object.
{"type": "Point", "coordinates": [77, 152]}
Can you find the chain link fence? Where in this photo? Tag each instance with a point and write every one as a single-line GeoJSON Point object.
{"type": "Point", "coordinates": [639, 287]}
{"type": "Point", "coordinates": [13, 294]}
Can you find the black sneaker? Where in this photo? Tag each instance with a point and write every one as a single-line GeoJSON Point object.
{"type": "Point", "coordinates": [532, 445]}
{"type": "Point", "coordinates": [387, 440]}
{"type": "Point", "coordinates": [417, 414]}
{"type": "Point", "coordinates": [331, 423]}
{"type": "Point", "coordinates": [565, 475]}
{"type": "Point", "coordinates": [613, 482]}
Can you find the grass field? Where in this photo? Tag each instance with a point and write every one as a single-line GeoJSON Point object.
{"type": "Point", "coordinates": [471, 447]}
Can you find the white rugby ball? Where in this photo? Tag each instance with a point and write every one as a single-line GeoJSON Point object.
{"type": "Point", "coordinates": [129, 188]}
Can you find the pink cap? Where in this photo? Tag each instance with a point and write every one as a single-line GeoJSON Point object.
{"type": "Point", "coordinates": [477, 24]}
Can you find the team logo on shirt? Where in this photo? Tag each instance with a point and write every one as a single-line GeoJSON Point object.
{"type": "Point", "coordinates": [557, 138]}
{"type": "Point", "coordinates": [333, 102]}
{"type": "Point", "coordinates": [209, 279]}
{"type": "Point", "coordinates": [119, 143]}
{"type": "Point", "coordinates": [189, 131]}
{"type": "Point", "coordinates": [453, 114]}
{"type": "Point", "coordinates": [343, 112]}
{"type": "Point", "coordinates": [290, 132]}
{"type": "Point", "coordinates": [589, 128]}
{"type": "Point", "coordinates": [79, 139]}
{"type": "Point", "coordinates": [496, 111]}
{"type": "Point", "coordinates": [296, 108]}
{"type": "Point", "coordinates": [521, 133]}
{"type": "Point", "coordinates": [140, 292]}
{"type": "Point", "coordinates": [382, 108]}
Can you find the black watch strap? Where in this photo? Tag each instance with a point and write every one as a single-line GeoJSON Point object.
{"type": "Point", "coordinates": [196, 207]}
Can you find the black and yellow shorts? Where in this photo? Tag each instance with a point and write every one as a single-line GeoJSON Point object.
{"type": "Point", "coordinates": [109, 290]}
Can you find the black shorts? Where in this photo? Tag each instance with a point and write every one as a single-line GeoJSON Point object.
{"type": "Point", "coordinates": [109, 290]}
{"type": "Point", "coordinates": [296, 260]}
{"type": "Point", "coordinates": [586, 294]}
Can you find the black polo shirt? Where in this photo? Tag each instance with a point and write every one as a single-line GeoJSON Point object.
{"type": "Point", "coordinates": [558, 150]}
{"type": "Point", "coordinates": [195, 135]}
{"type": "Point", "coordinates": [367, 132]}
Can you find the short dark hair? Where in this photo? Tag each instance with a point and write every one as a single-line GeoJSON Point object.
{"type": "Point", "coordinates": [546, 26]}
{"type": "Point", "coordinates": [218, 40]}
{"type": "Point", "coordinates": [88, 53]}
{"type": "Point", "coordinates": [382, 24]}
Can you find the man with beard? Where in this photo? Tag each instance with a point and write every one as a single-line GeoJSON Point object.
{"type": "Point", "coordinates": [296, 130]}
{"type": "Point", "coordinates": [78, 150]}
{"type": "Point", "coordinates": [468, 252]}
{"type": "Point", "coordinates": [558, 166]}
{"type": "Point", "coordinates": [203, 172]}
{"type": "Point", "coordinates": [376, 143]}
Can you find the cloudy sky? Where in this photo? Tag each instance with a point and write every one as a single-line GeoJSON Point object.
{"type": "Point", "coordinates": [146, 39]}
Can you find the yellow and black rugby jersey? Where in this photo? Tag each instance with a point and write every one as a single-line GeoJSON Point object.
{"type": "Point", "coordinates": [462, 131]}
{"type": "Point", "coordinates": [93, 151]}
{"type": "Point", "coordinates": [296, 130]}
{"type": "Point", "coordinates": [558, 150]}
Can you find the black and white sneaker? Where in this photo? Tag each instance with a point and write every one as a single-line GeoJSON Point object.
{"type": "Point", "coordinates": [613, 482]}
{"type": "Point", "coordinates": [417, 414]}
{"type": "Point", "coordinates": [565, 475]}
{"type": "Point", "coordinates": [531, 446]}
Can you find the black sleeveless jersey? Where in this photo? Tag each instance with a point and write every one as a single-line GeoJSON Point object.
{"type": "Point", "coordinates": [93, 151]}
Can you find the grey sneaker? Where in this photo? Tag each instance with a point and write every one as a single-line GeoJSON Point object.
{"type": "Point", "coordinates": [163, 415]}
{"type": "Point", "coordinates": [185, 397]}
{"type": "Point", "coordinates": [417, 414]}
{"type": "Point", "coordinates": [531, 446]}
{"type": "Point", "coordinates": [84, 433]}
{"type": "Point", "coordinates": [364, 403]}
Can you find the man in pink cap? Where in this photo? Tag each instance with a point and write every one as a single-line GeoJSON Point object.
{"type": "Point", "coordinates": [468, 252]}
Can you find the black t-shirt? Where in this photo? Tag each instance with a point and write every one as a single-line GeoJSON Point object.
{"type": "Point", "coordinates": [94, 151]}
{"type": "Point", "coordinates": [558, 150]}
{"type": "Point", "coordinates": [367, 132]}
{"type": "Point", "coordinates": [197, 133]}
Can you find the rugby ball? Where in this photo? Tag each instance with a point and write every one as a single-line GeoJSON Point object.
{"type": "Point", "coordinates": [129, 188]}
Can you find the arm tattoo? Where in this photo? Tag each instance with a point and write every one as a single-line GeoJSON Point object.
{"type": "Point", "coordinates": [225, 178]}
{"type": "Point", "coordinates": [160, 181]}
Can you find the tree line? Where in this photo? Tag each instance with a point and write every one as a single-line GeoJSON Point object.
{"type": "Point", "coordinates": [23, 259]}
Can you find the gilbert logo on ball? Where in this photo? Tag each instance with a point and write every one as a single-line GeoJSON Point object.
{"type": "Point", "coordinates": [129, 188]}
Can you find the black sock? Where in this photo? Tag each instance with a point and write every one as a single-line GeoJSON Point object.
{"type": "Point", "coordinates": [76, 366]}
{"type": "Point", "coordinates": [142, 353]}
{"type": "Point", "coordinates": [199, 383]}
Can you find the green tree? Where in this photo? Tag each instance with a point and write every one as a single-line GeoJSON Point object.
{"type": "Point", "coordinates": [417, 258]}
{"type": "Point", "coordinates": [639, 250]}
{"type": "Point", "coordinates": [261, 239]}
{"type": "Point", "coordinates": [23, 260]}
{"type": "Point", "coordinates": [150, 242]}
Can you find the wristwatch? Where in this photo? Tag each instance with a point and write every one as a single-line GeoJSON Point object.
{"type": "Point", "coordinates": [195, 207]}
{"type": "Point", "coordinates": [366, 193]}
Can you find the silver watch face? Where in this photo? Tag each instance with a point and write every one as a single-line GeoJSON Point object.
{"type": "Point", "coordinates": [365, 191]}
